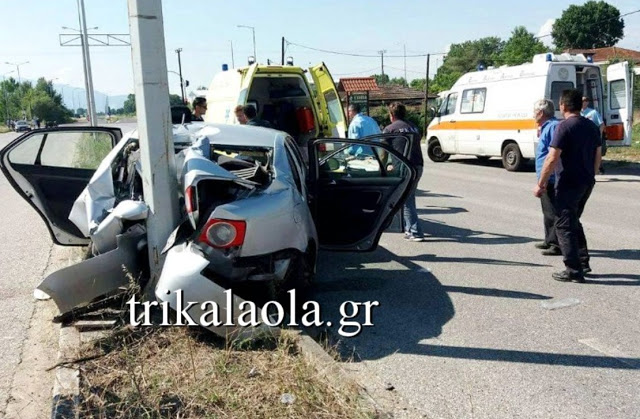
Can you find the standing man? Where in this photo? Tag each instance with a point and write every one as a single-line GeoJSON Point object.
{"type": "Point", "coordinates": [398, 114]}
{"type": "Point", "coordinates": [361, 125]}
{"type": "Point", "coordinates": [252, 117]}
{"type": "Point", "coordinates": [239, 111]}
{"type": "Point", "coordinates": [544, 115]}
{"type": "Point", "coordinates": [576, 146]}
{"type": "Point", "coordinates": [199, 109]}
{"type": "Point", "coordinates": [594, 116]}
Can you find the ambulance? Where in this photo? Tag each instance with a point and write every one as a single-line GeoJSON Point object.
{"type": "Point", "coordinates": [490, 113]}
{"type": "Point", "coordinates": [281, 95]}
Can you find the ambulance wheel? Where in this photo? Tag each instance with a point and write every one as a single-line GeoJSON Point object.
{"type": "Point", "coordinates": [512, 157]}
{"type": "Point", "coordinates": [435, 153]}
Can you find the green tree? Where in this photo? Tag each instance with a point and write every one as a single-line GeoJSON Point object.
{"type": "Point", "coordinates": [595, 24]}
{"type": "Point", "coordinates": [398, 81]}
{"type": "Point", "coordinates": [381, 79]}
{"type": "Point", "coordinates": [130, 104]}
{"type": "Point", "coordinates": [521, 47]}
{"type": "Point", "coordinates": [465, 57]}
{"type": "Point", "coordinates": [418, 84]}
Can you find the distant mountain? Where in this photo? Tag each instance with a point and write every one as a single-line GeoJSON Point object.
{"type": "Point", "coordinates": [76, 97]}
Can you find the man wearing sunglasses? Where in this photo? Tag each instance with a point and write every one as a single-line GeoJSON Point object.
{"type": "Point", "coordinates": [199, 109]}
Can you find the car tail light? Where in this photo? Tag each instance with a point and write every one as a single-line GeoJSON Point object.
{"type": "Point", "coordinates": [223, 234]}
{"type": "Point", "coordinates": [190, 199]}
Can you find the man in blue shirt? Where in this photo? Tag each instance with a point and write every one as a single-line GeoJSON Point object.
{"type": "Point", "coordinates": [594, 116]}
{"type": "Point", "coordinates": [544, 114]}
{"type": "Point", "coordinates": [360, 126]}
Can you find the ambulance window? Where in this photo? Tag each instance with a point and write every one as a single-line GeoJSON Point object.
{"type": "Point", "coordinates": [473, 101]}
{"type": "Point", "coordinates": [618, 96]}
{"type": "Point", "coordinates": [334, 105]}
{"type": "Point", "coordinates": [557, 87]}
{"type": "Point", "coordinates": [452, 101]}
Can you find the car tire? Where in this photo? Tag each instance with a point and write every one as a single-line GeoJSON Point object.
{"type": "Point", "coordinates": [435, 153]}
{"type": "Point", "coordinates": [512, 157]}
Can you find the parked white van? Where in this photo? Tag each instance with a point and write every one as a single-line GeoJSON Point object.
{"type": "Point", "coordinates": [490, 113]}
{"type": "Point", "coordinates": [283, 96]}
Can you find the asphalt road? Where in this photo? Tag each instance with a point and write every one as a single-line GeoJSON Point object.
{"type": "Point", "coordinates": [24, 253]}
{"type": "Point", "coordinates": [470, 323]}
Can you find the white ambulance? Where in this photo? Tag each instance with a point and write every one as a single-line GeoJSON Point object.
{"type": "Point", "coordinates": [490, 113]}
{"type": "Point", "coordinates": [283, 96]}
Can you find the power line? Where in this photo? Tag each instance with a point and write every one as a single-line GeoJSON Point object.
{"type": "Point", "coordinates": [349, 54]}
{"type": "Point", "coordinates": [370, 71]}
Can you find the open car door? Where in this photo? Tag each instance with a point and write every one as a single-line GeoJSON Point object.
{"type": "Point", "coordinates": [49, 168]}
{"type": "Point", "coordinates": [334, 121]}
{"type": "Point", "coordinates": [619, 116]}
{"type": "Point", "coordinates": [356, 189]}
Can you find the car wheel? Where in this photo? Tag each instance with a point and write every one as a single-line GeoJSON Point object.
{"type": "Point", "coordinates": [483, 158]}
{"type": "Point", "coordinates": [512, 157]}
{"type": "Point", "coordinates": [435, 153]}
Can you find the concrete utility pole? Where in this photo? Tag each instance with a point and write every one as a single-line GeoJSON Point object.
{"type": "Point", "coordinates": [233, 64]}
{"type": "Point", "coordinates": [382, 61]}
{"type": "Point", "coordinates": [405, 64]}
{"type": "Point", "coordinates": [426, 96]}
{"type": "Point", "coordinates": [91, 104]}
{"type": "Point", "coordinates": [178, 51]}
{"type": "Point", "coordinates": [154, 127]}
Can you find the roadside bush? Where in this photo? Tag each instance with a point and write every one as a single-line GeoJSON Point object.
{"type": "Point", "coordinates": [415, 115]}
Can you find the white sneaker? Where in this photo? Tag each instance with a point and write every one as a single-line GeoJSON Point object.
{"type": "Point", "coordinates": [413, 238]}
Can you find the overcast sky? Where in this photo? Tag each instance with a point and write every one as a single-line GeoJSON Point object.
{"type": "Point", "coordinates": [204, 30]}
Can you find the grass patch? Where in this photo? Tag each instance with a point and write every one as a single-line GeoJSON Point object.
{"type": "Point", "coordinates": [182, 372]}
{"type": "Point", "coordinates": [91, 149]}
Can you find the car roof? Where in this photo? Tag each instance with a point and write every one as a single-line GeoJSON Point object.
{"type": "Point", "coordinates": [230, 134]}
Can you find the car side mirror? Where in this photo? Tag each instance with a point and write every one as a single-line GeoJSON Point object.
{"type": "Point", "coordinates": [435, 112]}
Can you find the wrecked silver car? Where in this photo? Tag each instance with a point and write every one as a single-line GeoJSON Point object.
{"type": "Point", "coordinates": [253, 210]}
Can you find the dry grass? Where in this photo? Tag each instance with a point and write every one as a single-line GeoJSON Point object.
{"type": "Point", "coordinates": [4, 128]}
{"type": "Point", "coordinates": [187, 373]}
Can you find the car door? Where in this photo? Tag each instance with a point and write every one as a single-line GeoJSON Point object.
{"type": "Point", "coordinates": [353, 199]}
{"type": "Point", "coordinates": [619, 116]}
{"type": "Point", "coordinates": [334, 122]}
{"type": "Point", "coordinates": [49, 168]}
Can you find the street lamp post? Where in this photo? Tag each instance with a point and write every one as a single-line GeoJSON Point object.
{"type": "Point", "coordinates": [17, 66]}
{"type": "Point", "coordinates": [253, 31]}
{"type": "Point", "coordinates": [178, 51]}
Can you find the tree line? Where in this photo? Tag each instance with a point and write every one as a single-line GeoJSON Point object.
{"type": "Point", "coordinates": [595, 24]}
{"type": "Point", "coordinates": [27, 101]}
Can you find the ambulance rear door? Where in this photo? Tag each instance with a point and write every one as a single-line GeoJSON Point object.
{"type": "Point", "coordinates": [619, 112]}
{"type": "Point", "coordinates": [333, 121]}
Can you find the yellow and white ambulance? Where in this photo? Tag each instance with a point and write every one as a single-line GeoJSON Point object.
{"type": "Point", "coordinates": [283, 96]}
{"type": "Point", "coordinates": [490, 113]}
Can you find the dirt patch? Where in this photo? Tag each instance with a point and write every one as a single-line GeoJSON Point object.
{"type": "Point", "coordinates": [182, 372]}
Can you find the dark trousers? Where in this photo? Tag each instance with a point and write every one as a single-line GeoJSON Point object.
{"type": "Point", "coordinates": [547, 200]}
{"type": "Point", "coordinates": [569, 205]}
